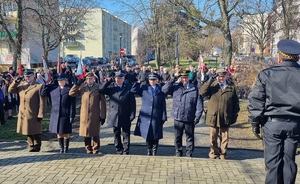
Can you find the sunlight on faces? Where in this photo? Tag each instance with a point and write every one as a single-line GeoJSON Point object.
{"type": "Point", "coordinates": [29, 78]}
{"type": "Point", "coordinates": [90, 80]}
{"type": "Point", "coordinates": [119, 80]}
{"type": "Point", "coordinates": [185, 79]}
{"type": "Point", "coordinates": [62, 83]}
{"type": "Point", "coordinates": [222, 79]}
{"type": "Point", "coordinates": [152, 82]}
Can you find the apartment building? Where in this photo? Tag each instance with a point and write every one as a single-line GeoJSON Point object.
{"type": "Point", "coordinates": [98, 34]}
{"type": "Point", "coordinates": [257, 25]}
{"type": "Point", "coordinates": [279, 34]}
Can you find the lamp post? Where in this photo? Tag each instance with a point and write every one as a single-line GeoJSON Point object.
{"type": "Point", "coordinates": [177, 50]}
{"type": "Point", "coordinates": [120, 49]}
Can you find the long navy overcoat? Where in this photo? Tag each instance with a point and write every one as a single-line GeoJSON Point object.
{"type": "Point", "coordinates": [63, 107]}
{"type": "Point", "coordinates": [153, 112]}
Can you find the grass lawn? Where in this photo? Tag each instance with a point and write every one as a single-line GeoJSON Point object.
{"type": "Point", "coordinates": [8, 131]}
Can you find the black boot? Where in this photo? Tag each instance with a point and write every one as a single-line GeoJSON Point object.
{"type": "Point", "coordinates": [154, 147]}
{"type": "Point", "coordinates": [149, 147]}
{"type": "Point", "coordinates": [61, 144]}
{"type": "Point", "coordinates": [67, 141]}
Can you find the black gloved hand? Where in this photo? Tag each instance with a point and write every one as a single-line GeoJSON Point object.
{"type": "Point", "coordinates": [39, 119]}
{"type": "Point", "coordinates": [162, 122]}
{"type": "Point", "coordinates": [19, 79]}
{"type": "Point", "coordinates": [196, 121]}
{"type": "Point", "coordinates": [72, 120]}
{"type": "Point", "coordinates": [256, 130]}
{"type": "Point", "coordinates": [80, 81]}
{"type": "Point", "coordinates": [213, 77]}
{"type": "Point", "coordinates": [102, 121]}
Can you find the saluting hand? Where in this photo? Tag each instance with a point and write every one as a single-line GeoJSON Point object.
{"type": "Point", "coordinates": [19, 79]}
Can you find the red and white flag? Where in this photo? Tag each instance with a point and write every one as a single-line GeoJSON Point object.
{"type": "Point", "coordinates": [47, 72]}
{"type": "Point", "coordinates": [201, 62]}
{"type": "Point", "coordinates": [59, 69]}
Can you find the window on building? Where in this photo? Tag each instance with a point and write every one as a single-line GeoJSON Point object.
{"type": "Point", "coordinates": [70, 39]}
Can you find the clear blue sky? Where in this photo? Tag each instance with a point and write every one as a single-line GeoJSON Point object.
{"type": "Point", "coordinates": [113, 9]}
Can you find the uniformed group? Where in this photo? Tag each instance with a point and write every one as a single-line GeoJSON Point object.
{"type": "Point", "coordinates": [274, 104]}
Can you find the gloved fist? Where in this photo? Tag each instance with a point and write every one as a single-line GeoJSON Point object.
{"type": "Point", "coordinates": [102, 121]}
{"type": "Point", "coordinates": [196, 121]}
{"type": "Point", "coordinates": [72, 120]}
{"type": "Point", "coordinates": [19, 79]}
{"type": "Point", "coordinates": [80, 81]}
{"type": "Point", "coordinates": [39, 119]}
{"type": "Point", "coordinates": [256, 130]}
{"type": "Point", "coordinates": [213, 77]}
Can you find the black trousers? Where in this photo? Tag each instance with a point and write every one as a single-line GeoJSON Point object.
{"type": "Point", "coordinates": [122, 147]}
{"type": "Point", "coordinates": [189, 128]}
{"type": "Point", "coordinates": [34, 142]}
{"type": "Point", "coordinates": [281, 139]}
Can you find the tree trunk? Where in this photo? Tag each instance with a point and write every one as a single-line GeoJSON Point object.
{"type": "Point", "coordinates": [227, 49]}
{"type": "Point", "coordinates": [157, 55]}
{"type": "Point", "coordinates": [18, 43]}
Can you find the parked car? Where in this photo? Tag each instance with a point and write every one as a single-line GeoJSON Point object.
{"type": "Point", "coordinates": [72, 60]}
{"type": "Point", "coordinates": [101, 60]}
{"type": "Point", "coordinates": [90, 60]}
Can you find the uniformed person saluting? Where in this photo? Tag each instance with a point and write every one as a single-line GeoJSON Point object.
{"type": "Point", "coordinates": [274, 104]}
{"type": "Point", "coordinates": [63, 110]}
{"type": "Point", "coordinates": [31, 109]}
{"type": "Point", "coordinates": [92, 112]}
{"type": "Point", "coordinates": [121, 111]}
{"type": "Point", "coordinates": [222, 111]}
{"type": "Point", "coordinates": [186, 111]}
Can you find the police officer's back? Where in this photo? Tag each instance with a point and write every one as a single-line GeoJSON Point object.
{"type": "Point", "coordinates": [275, 103]}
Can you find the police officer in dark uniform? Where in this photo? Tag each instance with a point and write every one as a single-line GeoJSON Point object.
{"type": "Point", "coordinates": [274, 104]}
{"type": "Point", "coordinates": [121, 110]}
{"type": "Point", "coordinates": [186, 111]}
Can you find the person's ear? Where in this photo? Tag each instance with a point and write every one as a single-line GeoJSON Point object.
{"type": "Point", "coordinates": [279, 58]}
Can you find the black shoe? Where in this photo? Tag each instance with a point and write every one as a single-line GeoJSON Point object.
{"type": "Point", "coordinates": [149, 152]}
{"type": "Point", "coordinates": [119, 152]}
{"type": "Point", "coordinates": [179, 154]}
{"type": "Point", "coordinates": [126, 153]}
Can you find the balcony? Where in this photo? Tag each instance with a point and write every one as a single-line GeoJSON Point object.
{"type": "Point", "coordinates": [3, 35]}
{"type": "Point", "coordinates": [72, 32]}
{"type": "Point", "coordinates": [71, 44]}
{"type": "Point", "coordinates": [10, 15]}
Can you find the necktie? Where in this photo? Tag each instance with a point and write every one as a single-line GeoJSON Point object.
{"type": "Point", "coordinates": [221, 86]}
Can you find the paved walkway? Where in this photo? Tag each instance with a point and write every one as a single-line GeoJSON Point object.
{"type": "Point", "coordinates": [48, 166]}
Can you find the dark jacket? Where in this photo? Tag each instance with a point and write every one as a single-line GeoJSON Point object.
{"type": "Point", "coordinates": [63, 107]}
{"type": "Point", "coordinates": [187, 103]}
{"type": "Point", "coordinates": [223, 105]}
{"type": "Point", "coordinates": [122, 105]}
{"type": "Point", "coordinates": [276, 93]}
{"type": "Point", "coordinates": [153, 112]}
{"type": "Point", "coordinates": [130, 78]}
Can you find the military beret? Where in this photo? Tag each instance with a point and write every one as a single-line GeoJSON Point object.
{"type": "Point", "coordinates": [221, 72]}
{"type": "Point", "coordinates": [185, 73]}
{"type": "Point", "coordinates": [289, 47]}
{"type": "Point", "coordinates": [28, 72]}
{"type": "Point", "coordinates": [89, 74]}
{"type": "Point", "coordinates": [62, 76]}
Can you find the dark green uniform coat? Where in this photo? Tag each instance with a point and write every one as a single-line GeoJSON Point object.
{"type": "Point", "coordinates": [223, 105]}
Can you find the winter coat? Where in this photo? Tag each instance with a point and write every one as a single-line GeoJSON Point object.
{"type": "Point", "coordinates": [223, 105]}
{"type": "Point", "coordinates": [32, 106]}
{"type": "Point", "coordinates": [122, 105]}
{"type": "Point", "coordinates": [93, 108]}
{"type": "Point", "coordinates": [153, 112]}
{"type": "Point", "coordinates": [63, 107]}
{"type": "Point", "coordinates": [187, 103]}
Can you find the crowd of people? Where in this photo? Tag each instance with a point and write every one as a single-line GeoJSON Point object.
{"type": "Point", "coordinates": [273, 107]}
{"type": "Point", "coordinates": [94, 86]}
